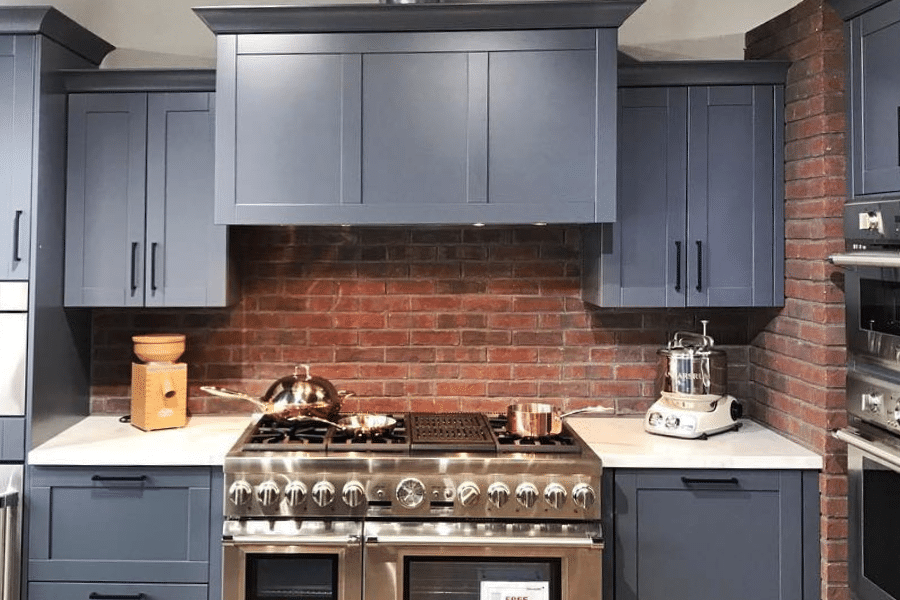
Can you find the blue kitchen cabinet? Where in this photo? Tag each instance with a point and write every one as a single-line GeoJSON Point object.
{"type": "Point", "coordinates": [687, 534]}
{"type": "Point", "coordinates": [139, 222]}
{"type": "Point", "coordinates": [425, 127]}
{"type": "Point", "coordinates": [125, 530]}
{"type": "Point", "coordinates": [700, 212]}
{"type": "Point", "coordinates": [17, 102]}
{"type": "Point", "coordinates": [873, 95]}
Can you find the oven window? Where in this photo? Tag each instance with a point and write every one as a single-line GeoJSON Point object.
{"type": "Point", "coordinates": [880, 527]}
{"type": "Point", "coordinates": [879, 306]}
{"type": "Point", "coordinates": [428, 578]}
{"type": "Point", "coordinates": [291, 577]}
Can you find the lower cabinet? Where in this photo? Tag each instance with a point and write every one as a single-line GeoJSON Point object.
{"type": "Point", "coordinates": [124, 531]}
{"type": "Point", "coordinates": [687, 534]}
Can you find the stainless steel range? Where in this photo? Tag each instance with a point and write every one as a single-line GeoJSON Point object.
{"type": "Point", "coordinates": [445, 504]}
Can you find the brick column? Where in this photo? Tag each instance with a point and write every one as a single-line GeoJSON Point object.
{"type": "Point", "coordinates": [798, 361]}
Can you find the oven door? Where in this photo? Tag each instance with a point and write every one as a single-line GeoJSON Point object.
{"type": "Point", "coordinates": [288, 560]}
{"type": "Point", "coordinates": [873, 313]}
{"type": "Point", "coordinates": [482, 561]}
{"type": "Point", "coordinates": [873, 470]}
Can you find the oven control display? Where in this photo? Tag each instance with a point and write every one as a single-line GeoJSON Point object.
{"type": "Point", "coordinates": [410, 493]}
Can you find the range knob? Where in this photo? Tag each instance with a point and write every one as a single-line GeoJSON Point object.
{"type": "Point", "coordinates": [555, 495]}
{"type": "Point", "coordinates": [468, 494]}
{"type": "Point", "coordinates": [295, 493]}
{"type": "Point", "coordinates": [527, 494]}
{"type": "Point", "coordinates": [239, 493]}
{"type": "Point", "coordinates": [498, 494]}
{"type": "Point", "coordinates": [323, 493]}
{"type": "Point", "coordinates": [353, 494]}
{"type": "Point", "coordinates": [583, 496]}
{"type": "Point", "coordinates": [268, 493]}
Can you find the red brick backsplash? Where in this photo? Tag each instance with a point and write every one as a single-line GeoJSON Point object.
{"type": "Point", "coordinates": [417, 318]}
{"type": "Point", "coordinates": [798, 363]}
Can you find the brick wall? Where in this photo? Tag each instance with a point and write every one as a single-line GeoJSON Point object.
{"type": "Point", "coordinates": [424, 318]}
{"type": "Point", "coordinates": [798, 361]}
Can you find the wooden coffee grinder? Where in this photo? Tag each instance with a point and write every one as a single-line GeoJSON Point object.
{"type": "Point", "coordinates": [158, 387]}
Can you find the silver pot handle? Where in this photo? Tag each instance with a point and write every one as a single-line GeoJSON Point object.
{"type": "Point", "coordinates": [680, 336]}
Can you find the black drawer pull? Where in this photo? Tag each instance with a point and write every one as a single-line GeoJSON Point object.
{"type": "Point", "coordinates": [96, 596]}
{"type": "Point", "coordinates": [135, 478]}
{"type": "Point", "coordinates": [723, 481]}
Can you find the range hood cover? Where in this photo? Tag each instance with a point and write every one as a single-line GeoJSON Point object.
{"type": "Point", "coordinates": [456, 15]}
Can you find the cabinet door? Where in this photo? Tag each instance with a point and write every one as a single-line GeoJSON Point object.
{"type": "Point", "coordinates": [119, 525]}
{"type": "Point", "coordinates": [16, 145]}
{"type": "Point", "coordinates": [545, 145]}
{"type": "Point", "coordinates": [105, 200]}
{"type": "Point", "coordinates": [875, 100]}
{"type": "Point", "coordinates": [645, 264]}
{"type": "Point", "coordinates": [185, 252]}
{"type": "Point", "coordinates": [708, 534]}
{"type": "Point", "coordinates": [289, 135]}
{"type": "Point", "coordinates": [730, 244]}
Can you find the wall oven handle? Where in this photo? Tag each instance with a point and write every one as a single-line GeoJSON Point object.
{"type": "Point", "coordinates": [8, 502]}
{"type": "Point", "coordinates": [868, 447]}
{"type": "Point", "coordinates": [888, 260]}
{"type": "Point", "coordinates": [520, 541]}
{"type": "Point", "coordinates": [282, 540]}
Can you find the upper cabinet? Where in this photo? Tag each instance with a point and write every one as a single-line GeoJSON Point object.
{"type": "Point", "coordinates": [423, 122]}
{"type": "Point", "coordinates": [139, 220]}
{"type": "Point", "coordinates": [700, 211]}
{"type": "Point", "coordinates": [873, 45]}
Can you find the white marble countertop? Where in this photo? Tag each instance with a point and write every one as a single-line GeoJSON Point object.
{"type": "Point", "coordinates": [621, 442]}
{"type": "Point", "coordinates": [103, 440]}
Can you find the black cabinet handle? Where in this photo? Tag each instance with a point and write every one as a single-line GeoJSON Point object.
{"type": "Point", "coordinates": [96, 596]}
{"type": "Point", "coordinates": [153, 266]}
{"type": "Point", "coordinates": [16, 226]}
{"type": "Point", "coordinates": [135, 478]}
{"type": "Point", "coordinates": [699, 266]}
{"type": "Point", "coordinates": [134, 249]}
{"type": "Point", "coordinates": [692, 481]}
{"type": "Point", "coordinates": [898, 135]}
{"type": "Point", "coordinates": [677, 266]}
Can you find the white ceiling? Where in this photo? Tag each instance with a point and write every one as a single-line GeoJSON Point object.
{"type": "Point", "coordinates": [166, 33]}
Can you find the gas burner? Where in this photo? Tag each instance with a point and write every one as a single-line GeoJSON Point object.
{"type": "Point", "coordinates": [562, 443]}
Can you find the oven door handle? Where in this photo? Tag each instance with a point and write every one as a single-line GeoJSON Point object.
{"type": "Point", "coordinates": [888, 260]}
{"type": "Point", "coordinates": [458, 540]}
{"type": "Point", "coordinates": [868, 447]}
{"type": "Point", "coordinates": [282, 540]}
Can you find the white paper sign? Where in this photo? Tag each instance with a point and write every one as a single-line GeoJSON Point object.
{"type": "Point", "coordinates": [515, 590]}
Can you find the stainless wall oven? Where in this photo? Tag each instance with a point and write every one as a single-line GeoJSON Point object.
{"type": "Point", "coordinates": [872, 292]}
{"type": "Point", "coordinates": [479, 515]}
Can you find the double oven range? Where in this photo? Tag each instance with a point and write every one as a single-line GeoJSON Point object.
{"type": "Point", "coordinates": [872, 293]}
{"type": "Point", "coordinates": [443, 505]}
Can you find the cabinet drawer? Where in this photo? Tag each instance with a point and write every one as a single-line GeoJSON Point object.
{"type": "Point", "coordinates": [120, 524]}
{"type": "Point", "coordinates": [100, 591]}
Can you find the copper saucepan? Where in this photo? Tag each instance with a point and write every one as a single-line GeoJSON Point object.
{"type": "Point", "coordinates": [538, 419]}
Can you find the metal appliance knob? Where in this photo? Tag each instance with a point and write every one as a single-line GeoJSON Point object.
{"type": "Point", "coordinates": [295, 493]}
{"type": "Point", "coordinates": [555, 495]}
{"type": "Point", "coordinates": [672, 422]}
{"type": "Point", "coordinates": [527, 494]}
{"type": "Point", "coordinates": [410, 492]}
{"type": "Point", "coordinates": [268, 493]}
{"type": "Point", "coordinates": [498, 494]}
{"type": "Point", "coordinates": [323, 493]}
{"type": "Point", "coordinates": [353, 494]}
{"type": "Point", "coordinates": [583, 496]}
{"type": "Point", "coordinates": [239, 493]}
{"type": "Point", "coordinates": [897, 414]}
{"type": "Point", "coordinates": [468, 493]}
{"type": "Point", "coordinates": [872, 401]}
